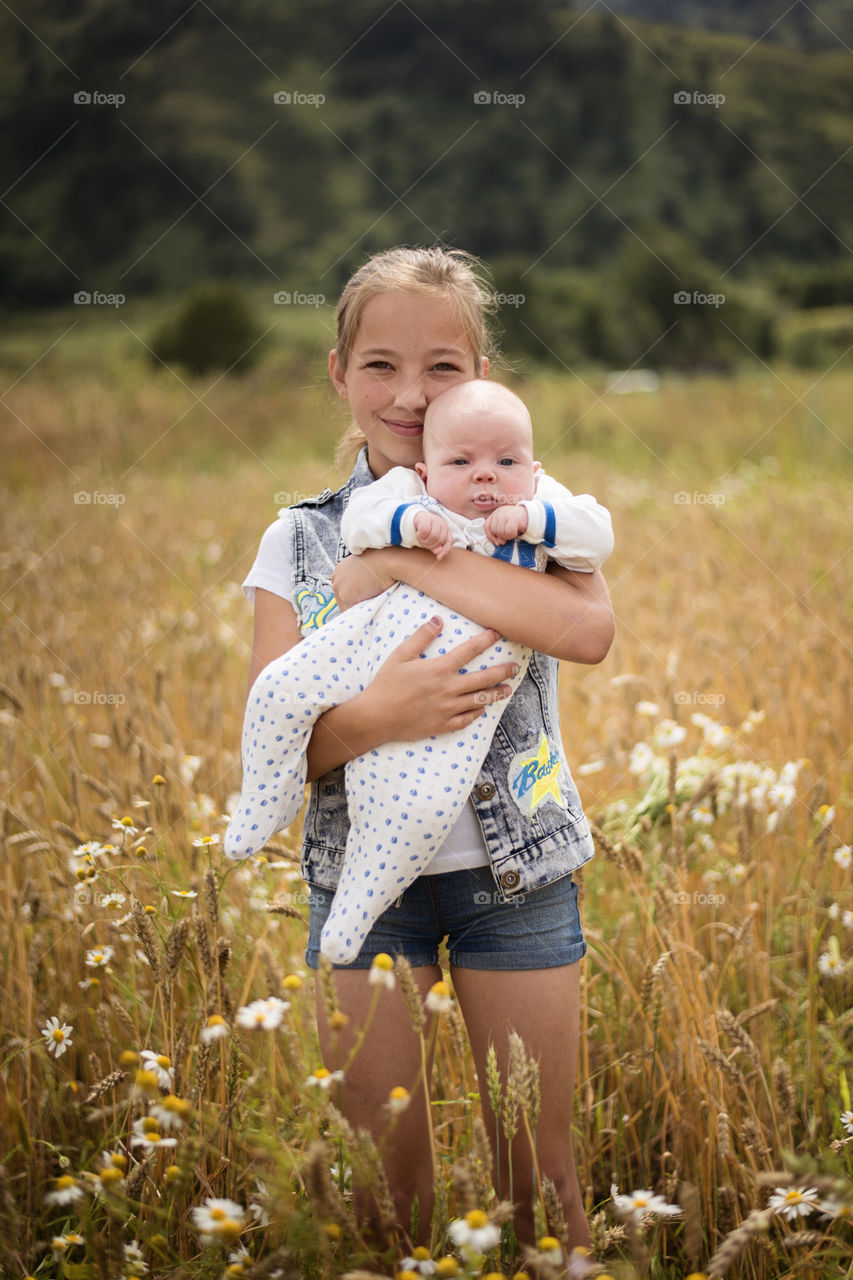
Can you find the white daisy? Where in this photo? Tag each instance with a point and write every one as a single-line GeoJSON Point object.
{"type": "Point", "coordinates": [65, 1191]}
{"type": "Point", "coordinates": [57, 1037]}
{"type": "Point", "coordinates": [218, 1220]}
{"type": "Point", "coordinates": [382, 971]}
{"type": "Point", "coordinates": [262, 1015]}
{"type": "Point", "coordinates": [215, 1029]}
{"type": "Point", "coordinates": [438, 998]}
{"type": "Point", "coordinates": [640, 1202]}
{"type": "Point", "coordinates": [795, 1202]}
{"type": "Point", "coordinates": [843, 856]}
{"type": "Point", "coordinates": [323, 1078]}
{"type": "Point", "coordinates": [99, 957]}
{"type": "Point", "coordinates": [161, 1065]}
{"type": "Point", "coordinates": [474, 1232]}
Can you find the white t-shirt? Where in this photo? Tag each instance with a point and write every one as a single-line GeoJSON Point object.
{"type": "Point", "coordinates": [272, 570]}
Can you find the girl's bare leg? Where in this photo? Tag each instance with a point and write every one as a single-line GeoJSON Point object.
{"type": "Point", "coordinates": [389, 1056]}
{"type": "Point", "coordinates": [541, 1005]}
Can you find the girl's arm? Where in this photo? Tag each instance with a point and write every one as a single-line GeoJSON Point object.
{"type": "Point", "coordinates": [409, 697]}
{"type": "Point", "coordinates": [562, 613]}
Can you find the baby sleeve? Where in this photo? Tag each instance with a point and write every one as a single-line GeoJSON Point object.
{"type": "Point", "coordinates": [572, 529]}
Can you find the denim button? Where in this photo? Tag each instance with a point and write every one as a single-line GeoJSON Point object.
{"type": "Point", "coordinates": [510, 880]}
{"type": "Point", "coordinates": [485, 791]}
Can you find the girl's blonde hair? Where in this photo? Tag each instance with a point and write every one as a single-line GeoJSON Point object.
{"type": "Point", "coordinates": [450, 274]}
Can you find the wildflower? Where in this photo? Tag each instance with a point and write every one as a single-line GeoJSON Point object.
{"type": "Point", "coordinates": [133, 1260]}
{"type": "Point", "coordinates": [171, 1111]}
{"type": "Point", "coordinates": [172, 1175]}
{"type": "Point", "coordinates": [382, 971]}
{"type": "Point", "coordinates": [218, 1220]}
{"type": "Point", "coordinates": [99, 957]}
{"type": "Point", "coordinates": [847, 1121]}
{"type": "Point", "coordinates": [668, 734]}
{"type": "Point", "coordinates": [216, 1029]}
{"type": "Point", "coordinates": [292, 982]}
{"type": "Point", "coordinates": [158, 780]}
{"type": "Point", "coordinates": [640, 1202]}
{"type": "Point", "coordinates": [91, 849]}
{"type": "Point", "coordinates": [836, 1208]}
{"type": "Point", "coordinates": [110, 1176]}
{"type": "Point", "coordinates": [447, 1266]}
{"type": "Point", "coordinates": [550, 1249]}
{"type": "Point", "coordinates": [258, 1206]}
{"type": "Point", "coordinates": [847, 919]}
{"type": "Point", "coordinates": [145, 1082]}
{"type": "Point", "coordinates": [796, 1202]}
{"type": "Point", "coordinates": [843, 856]}
{"type": "Point", "coordinates": [833, 911]}
{"type": "Point", "coordinates": [201, 842]}
{"type": "Point", "coordinates": [161, 1065]}
{"type": "Point", "coordinates": [184, 893]}
{"type": "Point", "coordinates": [398, 1099]}
{"type": "Point", "coordinates": [830, 963]}
{"type": "Point", "coordinates": [188, 768]}
{"type": "Point", "coordinates": [474, 1232]}
{"type": "Point", "coordinates": [125, 825]}
{"type": "Point", "coordinates": [146, 1134]}
{"type": "Point", "coordinates": [114, 1160]}
{"type": "Point", "coordinates": [262, 1015]}
{"type": "Point", "coordinates": [646, 708]}
{"type": "Point", "coordinates": [419, 1263]}
{"type": "Point", "coordinates": [438, 998]}
{"type": "Point", "coordinates": [57, 1038]}
{"type": "Point", "coordinates": [826, 813]}
{"type": "Point", "coordinates": [324, 1078]}
{"type": "Point", "coordinates": [65, 1191]}
{"type": "Point", "coordinates": [59, 1244]}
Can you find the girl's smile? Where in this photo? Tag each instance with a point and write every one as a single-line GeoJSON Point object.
{"type": "Point", "coordinates": [407, 350]}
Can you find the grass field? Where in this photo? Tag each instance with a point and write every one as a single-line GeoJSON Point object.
{"type": "Point", "coordinates": [712, 749]}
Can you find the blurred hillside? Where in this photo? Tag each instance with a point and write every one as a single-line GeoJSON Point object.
{"type": "Point", "coordinates": [600, 166]}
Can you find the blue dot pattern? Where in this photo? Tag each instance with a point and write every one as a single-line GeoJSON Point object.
{"type": "Point", "coordinates": [403, 797]}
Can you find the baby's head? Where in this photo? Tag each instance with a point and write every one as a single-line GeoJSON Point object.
{"type": "Point", "coordinates": [478, 449]}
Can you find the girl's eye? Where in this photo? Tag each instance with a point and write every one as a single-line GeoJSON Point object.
{"type": "Point", "coordinates": [444, 366]}
{"type": "Point", "coordinates": [378, 364]}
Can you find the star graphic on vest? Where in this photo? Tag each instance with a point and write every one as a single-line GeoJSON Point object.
{"type": "Point", "coordinates": [539, 776]}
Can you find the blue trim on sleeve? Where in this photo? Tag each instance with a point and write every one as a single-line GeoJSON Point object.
{"type": "Point", "coordinates": [526, 554]}
{"type": "Point", "coordinates": [503, 552]}
{"type": "Point", "coordinates": [396, 521]}
{"type": "Point", "coordinates": [550, 535]}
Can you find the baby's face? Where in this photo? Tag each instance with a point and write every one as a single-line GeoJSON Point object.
{"type": "Point", "coordinates": [476, 461]}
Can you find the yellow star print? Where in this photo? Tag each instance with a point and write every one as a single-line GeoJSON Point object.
{"type": "Point", "coordinates": [541, 773]}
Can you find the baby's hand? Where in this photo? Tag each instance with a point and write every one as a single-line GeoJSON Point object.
{"type": "Point", "coordinates": [505, 523]}
{"type": "Point", "coordinates": [433, 533]}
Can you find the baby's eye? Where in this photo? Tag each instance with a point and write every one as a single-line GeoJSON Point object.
{"type": "Point", "coordinates": [507, 462]}
{"type": "Point", "coordinates": [460, 462]}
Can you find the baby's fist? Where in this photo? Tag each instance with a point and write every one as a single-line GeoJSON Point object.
{"type": "Point", "coordinates": [433, 533]}
{"type": "Point", "coordinates": [505, 523]}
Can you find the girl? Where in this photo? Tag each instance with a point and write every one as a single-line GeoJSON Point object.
{"type": "Point", "coordinates": [410, 324]}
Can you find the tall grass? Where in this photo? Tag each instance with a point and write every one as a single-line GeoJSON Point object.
{"type": "Point", "coordinates": [715, 1045]}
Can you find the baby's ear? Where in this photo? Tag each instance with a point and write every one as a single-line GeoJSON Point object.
{"type": "Point", "coordinates": [537, 466]}
{"type": "Point", "coordinates": [421, 469]}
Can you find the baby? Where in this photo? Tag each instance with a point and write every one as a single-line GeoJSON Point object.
{"type": "Point", "coordinates": [478, 488]}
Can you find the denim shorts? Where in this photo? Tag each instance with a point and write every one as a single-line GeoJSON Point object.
{"type": "Point", "coordinates": [484, 928]}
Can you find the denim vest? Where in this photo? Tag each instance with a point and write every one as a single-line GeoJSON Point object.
{"type": "Point", "coordinates": [525, 799]}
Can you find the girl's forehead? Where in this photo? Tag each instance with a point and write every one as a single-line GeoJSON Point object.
{"type": "Point", "coordinates": [394, 323]}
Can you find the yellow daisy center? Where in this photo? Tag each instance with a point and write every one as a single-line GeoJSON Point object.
{"type": "Point", "coordinates": [383, 961]}
{"type": "Point", "coordinates": [476, 1219]}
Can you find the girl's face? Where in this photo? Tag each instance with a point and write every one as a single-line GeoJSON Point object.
{"type": "Point", "coordinates": [407, 350]}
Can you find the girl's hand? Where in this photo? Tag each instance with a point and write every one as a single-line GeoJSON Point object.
{"type": "Point", "coordinates": [411, 697]}
{"type": "Point", "coordinates": [358, 578]}
{"type": "Point", "coordinates": [433, 533]}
